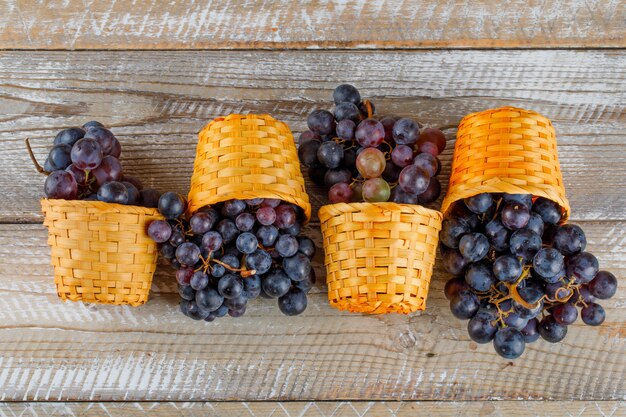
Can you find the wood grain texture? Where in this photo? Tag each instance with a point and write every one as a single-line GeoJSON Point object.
{"type": "Point", "coordinates": [126, 24]}
{"type": "Point", "coordinates": [55, 351]}
{"type": "Point", "coordinates": [156, 102]}
{"type": "Point", "coordinates": [318, 409]}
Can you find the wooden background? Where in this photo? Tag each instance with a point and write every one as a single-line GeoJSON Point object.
{"type": "Point", "coordinates": [157, 72]}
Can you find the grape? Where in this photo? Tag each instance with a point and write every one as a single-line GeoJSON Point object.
{"type": "Point", "coordinates": [402, 155]}
{"type": "Point", "coordinates": [565, 314]}
{"type": "Point", "coordinates": [524, 199]}
{"type": "Point", "coordinates": [549, 211]}
{"type": "Point", "coordinates": [307, 284]}
{"type": "Point", "coordinates": [245, 222]}
{"type": "Point", "coordinates": [92, 124]}
{"type": "Point", "coordinates": [547, 262]}
{"type": "Point", "coordinates": [370, 133]}
{"type": "Point", "coordinates": [267, 235]}
{"type": "Point", "coordinates": [479, 276]}
{"type": "Point", "coordinates": [183, 275]}
{"type": "Point", "coordinates": [434, 136]}
{"type": "Point", "coordinates": [334, 176]}
{"type": "Point", "coordinates": [583, 267]}
{"type": "Point", "coordinates": [113, 192]}
{"type": "Point", "coordinates": [61, 185]}
{"type": "Point", "coordinates": [452, 229]}
{"type": "Point", "coordinates": [260, 261]}
{"type": "Point", "coordinates": [246, 243]}
{"type": "Point", "coordinates": [479, 203]}
{"type": "Point", "coordinates": [345, 129]}
{"type": "Point", "coordinates": [217, 271]}
{"type": "Point", "coordinates": [149, 197]}
{"type": "Point", "coordinates": [535, 223]}
{"type": "Point", "coordinates": [340, 193]}
{"type": "Point", "coordinates": [233, 208]}
{"type": "Point", "coordinates": [59, 157]}
{"type": "Point", "coordinates": [453, 261]}
{"type": "Point", "coordinates": [254, 202]}
{"type": "Point", "coordinates": [532, 292]}
{"type": "Point", "coordinates": [330, 154]}
{"type": "Point", "coordinates": [69, 136]}
{"type": "Point", "coordinates": [507, 268]}
{"type": "Point", "coordinates": [399, 196]}
{"type": "Point", "coordinates": [167, 251]}
{"type": "Point", "coordinates": [286, 246]}
{"type": "Point", "coordinates": [483, 326]}
{"type": "Point", "coordinates": [186, 292]}
{"type": "Point", "coordinates": [370, 163]}
{"type": "Point", "coordinates": [177, 237]}
{"type": "Point", "coordinates": [160, 231]}
{"type": "Point", "coordinates": [498, 235]}
{"type": "Point", "coordinates": [109, 169]}
{"type": "Point", "coordinates": [509, 343]}
{"type": "Point", "coordinates": [171, 205]}
{"type": "Point", "coordinates": [252, 287]}
{"type": "Point", "coordinates": [346, 93]}
{"type": "Point", "coordinates": [276, 284]}
{"type": "Point", "coordinates": [103, 136]}
{"type": "Point", "coordinates": [474, 246]}
{"type": "Point", "coordinates": [525, 243]}
{"type": "Point", "coordinates": [294, 302]}
{"type": "Point", "coordinates": [321, 122]}
{"type": "Point", "coordinates": [376, 190]}
{"type": "Point", "coordinates": [391, 172]}
{"type": "Point", "coordinates": [211, 241]}
{"type": "Point", "coordinates": [427, 147]}
{"type": "Point", "coordinates": [47, 166]}
{"type": "Point", "coordinates": [231, 260]}
{"type": "Point", "coordinates": [570, 239]}
{"type": "Point", "coordinates": [428, 163]}
{"type": "Point", "coordinates": [285, 216]}
{"type": "Point", "coordinates": [86, 154]}
{"type": "Point", "coordinates": [266, 215]}
{"type": "Point", "coordinates": [116, 148]}
{"type": "Point", "coordinates": [514, 320]}
{"type": "Point", "coordinates": [462, 212]}
{"type": "Point", "coordinates": [307, 153]}
{"type": "Point", "coordinates": [551, 331]}
{"type": "Point", "coordinates": [199, 280]}
{"type": "Point", "coordinates": [454, 286]}
{"type": "Point", "coordinates": [556, 291]}
{"type": "Point", "coordinates": [388, 123]}
{"type": "Point", "coordinates": [271, 202]}
{"type": "Point", "coordinates": [230, 286]}
{"type": "Point", "coordinates": [236, 303]}
{"type": "Point", "coordinates": [317, 174]}
{"type": "Point", "coordinates": [603, 285]}
{"type": "Point", "coordinates": [515, 216]}
{"type": "Point", "coordinates": [133, 193]}
{"type": "Point", "coordinates": [405, 132]}
{"type": "Point", "coordinates": [307, 136]}
{"type": "Point", "coordinates": [464, 305]}
{"type": "Point", "coordinates": [593, 314]}
{"type": "Point", "coordinates": [347, 111]}
{"type": "Point", "coordinates": [188, 253]}
{"type": "Point", "coordinates": [196, 312]}
{"type": "Point", "coordinates": [297, 267]}
{"type": "Point", "coordinates": [201, 222]}
{"type": "Point", "coordinates": [413, 179]}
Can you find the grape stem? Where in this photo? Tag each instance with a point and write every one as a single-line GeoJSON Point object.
{"type": "Point", "coordinates": [33, 159]}
{"type": "Point", "coordinates": [242, 271]}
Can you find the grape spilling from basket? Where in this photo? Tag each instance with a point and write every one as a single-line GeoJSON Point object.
{"type": "Point", "coordinates": [519, 275]}
{"type": "Point", "coordinates": [362, 158]}
{"type": "Point", "coordinates": [83, 164]}
{"type": "Point", "coordinates": [233, 252]}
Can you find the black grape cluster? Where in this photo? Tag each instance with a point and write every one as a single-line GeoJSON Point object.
{"type": "Point", "coordinates": [233, 252]}
{"type": "Point", "coordinates": [362, 158]}
{"type": "Point", "coordinates": [519, 275]}
{"type": "Point", "coordinates": [84, 164]}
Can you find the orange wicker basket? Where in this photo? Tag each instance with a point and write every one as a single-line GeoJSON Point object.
{"type": "Point", "coordinates": [245, 157]}
{"type": "Point", "coordinates": [506, 150]}
{"type": "Point", "coordinates": [379, 256]}
{"type": "Point", "coordinates": [101, 252]}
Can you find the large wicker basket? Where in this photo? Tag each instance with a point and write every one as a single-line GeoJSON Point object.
{"type": "Point", "coordinates": [506, 150]}
{"type": "Point", "coordinates": [100, 252]}
{"type": "Point", "coordinates": [245, 157]}
{"type": "Point", "coordinates": [379, 256]}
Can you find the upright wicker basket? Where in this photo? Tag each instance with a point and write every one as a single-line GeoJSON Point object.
{"type": "Point", "coordinates": [379, 256]}
{"type": "Point", "coordinates": [245, 157]}
{"type": "Point", "coordinates": [101, 252]}
{"type": "Point", "coordinates": [506, 150]}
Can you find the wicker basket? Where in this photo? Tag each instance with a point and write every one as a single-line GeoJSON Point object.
{"type": "Point", "coordinates": [245, 157]}
{"type": "Point", "coordinates": [379, 256]}
{"type": "Point", "coordinates": [506, 150]}
{"type": "Point", "coordinates": [100, 251]}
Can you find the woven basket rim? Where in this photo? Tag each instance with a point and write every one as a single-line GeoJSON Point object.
{"type": "Point", "coordinates": [329, 210]}
{"type": "Point", "coordinates": [100, 205]}
{"type": "Point", "coordinates": [238, 116]}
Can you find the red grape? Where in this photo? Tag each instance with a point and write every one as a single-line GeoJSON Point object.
{"type": "Point", "coordinates": [340, 193]}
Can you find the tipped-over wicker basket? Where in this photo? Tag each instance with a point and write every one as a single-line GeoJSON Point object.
{"type": "Point", "coordinates": [245, 157]}
{"type": "Point", "coordinates": [101, 252]}
{"type": "Point", "coordinates": [379, 256]}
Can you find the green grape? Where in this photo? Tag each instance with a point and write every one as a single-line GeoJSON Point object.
{"type": "Point", "coordinates": [376, 190]}
{"type": "Point", "coordinates": [370, 163]}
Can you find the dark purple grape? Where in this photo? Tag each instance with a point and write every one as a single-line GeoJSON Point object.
{"type": "Point", "coordinates": [246, 243]}
{"type": "Point", "coordinates": [266, 215]}
{"type": "Point", "coordinates": [525, 244]}
{"type": "Point", "coordinates": [199, 281]}
{"type": "Point", "coordinates": [603, 285]}
{"type": "Point", "coordinates": [183, 275]}
{"type": "Point", "coordinates": [61, 185]}
{"type": "Point", "coordinates": [509, 343]}
{"type": "Point", "coordinates": [160, 231]}
{"type": "Point", "coordinates": [515, 216]}
{"type": "Point", "coordinates": [531, 331]}
{"type": "Point", "coordinates": [413, 179]}
{"type": "Point", "coordinates": [276, 284]}
{"type": "Point", "coordinates": [428, 163]}
{"type": "Point", "coordinates": [330, 154]}
{"type": "Point", "coordinates": [286, 246]}
{"type": "Point", "coordinates": [59, 157]}
{"type": "Point", "coordinates": [551, 331]}
{"type": "Point", "coordinates": [212, 241]}
{"type": "Point", "coordinates": [307, 284]}
{"type": "Point", "coordinates": [515, 320]}
{"type": "Point", "coordinates": [228, 230]}
{"type": "Point", "coordinates": [392, 173]}
{"type": "Point", "coordinates": [91, 124]}
{"type": "Point", "coordinates": [454, 286]}
{"type": "Point", "coordinates": [252, 287]}
{"type": "Point", "coordinates": [507, 268]}
{"type": "Point", "coordinates": [565, 314]}
{"type": "Point", "coordinates": [113, 192]}
{"type": "Point", "coordinates": [230, 286]}
{"type": "Point", "coordinates": [535, 223]}
{"type": "Point", "coordinates": [474, 246]}
{"type": "Point", "coordinates": [461, 211]}
{"type": "Point", "coordinates": [582, 267]}
{"type": "Point", "coordinates": [399, 196]}
{"type": "Point", "coordinates": [267, 235]}
{"type": "Point", "coordinates": [177, 238]}
{"type": "Point", "coordinates": [285, 216]}
{"type": "Point", "coordinates": [245, 222]}
{"type": "Point", "coordinates": [370, 133]}
{"type": "Point", "coordinates": [453, 262]}
{"type": "Point", "coordinates": [69, 136]}
{"type": "Point", "coordinates": [149, 197]}
{"type": "Point", "coordinates": [402, 155]}
{"type": "Point", "coordinates": [271, 202]}
{"type": "Point", "coordinates": [347, 111]}
{"type": "Point", "coordinates": [556, 291]}
{"type": "Point", "coordinates": [593, 314]}
{"type": "Point", "coordinates": [297, 267]}
{"type": "Point", "coordinates": [293, 303]}
{"type": "Point", "coordinates": [569, 239]}
{"type": "Point", "coordinates": [167, 251]}
{"type": "Point", "coordinates": [549, 211]}
{"type": "Point", "coordinates": [172, 205]}
{"type": "Point", "coordinates": [231, 259]}
{"type": "Point", "coordinates": [452, 229]}
{"type": "Point", "coordinates": [524, 199]}
{"type": "Point", "coordinates": [307, 136]}
{"type": "Point", "coordinates": [321, 122]}
{"type": "Point", "coordinates": [388, 123]}
{"type": "Point", "coordinates": [293, 230]}
{"type": "Point", "coordinates": [260, 261]}
{"type": "Point", "coordinates": [110, 169]}
{"type": "Point", "coordinates": [547, 262]}
{"type": "Point", "coordinates": [479, 276]}
{"type": "Point", "coordinates": [479, 203]}
{"type": "Point", "coordinates": [317, 174]}
{"type": "Point", "coordinates": [334, 176]}
{"type": "Point", "coordinates": [433, 136]}
{"type": "Point", "coordinates": [306, 246]}
{"type": "Point", "coordinates": [201, 222]}
{"type": "Point", "coordinates": [133, 193]}
{"type": "Point", "coordinates": [498, 235]}
{"type": "Point", "coordinates": [196, 312]}
{"type": "Point", "coordinates": [307, 153]}
{"type": "Point", "coordinates": [86, 154]}
{"type": "Point", "coordinates": [345, 129]}
{"type": "Point", "coordinates": [464, 305]}
{"type": "Point", "coordinates": [405, 132]}
{"type": "Point", "coordinates": [116, 149]}
{"type": "Point", "coordinates": [188, 253]}
{"type": "Point", "coordinates": [483, 326]}
{"type": "Point", "coordinates": [236, 303]}
{"type": "Point", "coordinates": [47, 166]}
{"type": "Point", "coordinates": [233, 208]}
{"type": "Point", "coordinates": [186, 292]}
{"type": "Point", "coordinates": [346, 93]}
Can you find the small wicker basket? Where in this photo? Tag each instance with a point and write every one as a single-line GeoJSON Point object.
{"type": "Point", "coordinates": [245, 157]}
{"type": "Point", "coordinates": [379, 256]}
{"type": "Point", "coordinates": [101, 252]}
{"type": "Point", "coordinates": [506, 150]}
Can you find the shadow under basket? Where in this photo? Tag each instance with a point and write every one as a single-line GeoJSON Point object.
{"type": "Point", "coordinates": [101, 252]}
{"type": "Point", "coordinates": [246, 157]}
{"type": "Point", "coordinates": [379, 256]}
{"type": "Point", "coordinates": [506, 150]}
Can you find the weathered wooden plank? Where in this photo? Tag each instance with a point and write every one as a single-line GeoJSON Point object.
{"type": "Point", "coordinates": [54, 351]}
{"type": "Point", "coordinates": [319, 409]}
{"type": "Point", "coordinates": [157, 101]}
{"type": "Point", "coordinates": [126, 24]}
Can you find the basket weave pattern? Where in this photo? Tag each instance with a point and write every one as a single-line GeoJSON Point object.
{"type": "Point", "coordinates": [506, 150]}
{"type": "Point", "coordinates": [245, 157]}
{"type": "Point", "coordinates": [101, 251]}
{"type": "Point", "coordinates": [379, 256]}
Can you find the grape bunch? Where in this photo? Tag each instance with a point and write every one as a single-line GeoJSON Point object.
{"type": "Point", "coordinates": [519, 274]}
{"type": "Point", "coordinates": [84, 164]}
{"type": "Point", "coordinates": [233, 252]}
{"type": "Point", "coordinates": [361, 158]}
